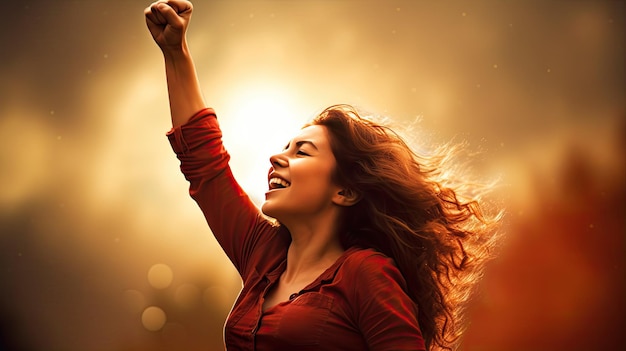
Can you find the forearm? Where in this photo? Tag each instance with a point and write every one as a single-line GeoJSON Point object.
{"type": "Point", "coordinates": [183, 86]}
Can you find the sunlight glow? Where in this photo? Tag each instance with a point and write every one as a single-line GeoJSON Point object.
{"type": "Point", "coordinates": [258, 122]}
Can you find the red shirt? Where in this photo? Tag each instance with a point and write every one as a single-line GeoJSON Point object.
{"type": "Point", "coordinates": [358, 303]}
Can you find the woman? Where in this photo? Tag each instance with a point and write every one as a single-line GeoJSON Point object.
{"type": "Point", "coordinates": [367, 250]}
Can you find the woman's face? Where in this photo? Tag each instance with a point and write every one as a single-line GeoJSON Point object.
{"type": "Point", "coordinates": [300, 179]}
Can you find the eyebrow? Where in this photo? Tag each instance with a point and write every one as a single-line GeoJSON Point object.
{"type": "Point", "coordinates": [302, 142]}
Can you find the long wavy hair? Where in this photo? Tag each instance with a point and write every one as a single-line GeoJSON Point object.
{"type": "Point", "coordinates": [438, 241]}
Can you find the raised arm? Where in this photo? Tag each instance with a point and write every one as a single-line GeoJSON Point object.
{"type": "Point", "coordinates": [167, 21]}
{"type": "Point", "coordinates": [196, 138]}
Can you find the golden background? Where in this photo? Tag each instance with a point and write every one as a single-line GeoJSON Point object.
{"type": "Point", "coordinates": [102, 249]}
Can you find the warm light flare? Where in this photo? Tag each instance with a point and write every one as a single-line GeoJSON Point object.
{"type": "Point", "coordinates": [258, 122]}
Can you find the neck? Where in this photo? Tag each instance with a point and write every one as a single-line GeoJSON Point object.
{"type": "Point", "coordinates": [313, 249]}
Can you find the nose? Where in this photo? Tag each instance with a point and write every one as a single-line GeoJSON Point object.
{"type": "Point", "coordinates": [278, 161]}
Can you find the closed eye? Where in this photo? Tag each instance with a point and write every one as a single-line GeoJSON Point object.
{"type": "Point", "coordinates": [299, 145]}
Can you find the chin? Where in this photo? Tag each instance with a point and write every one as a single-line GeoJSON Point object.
{"type": "Point", "coordinates": [267, 210]}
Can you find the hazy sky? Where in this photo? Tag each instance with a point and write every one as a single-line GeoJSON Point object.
{"type": "Point", "coordinates": [92, 198]}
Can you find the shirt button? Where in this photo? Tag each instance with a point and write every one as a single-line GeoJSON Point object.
{"type": "Point", "coordinates": [293, 296]}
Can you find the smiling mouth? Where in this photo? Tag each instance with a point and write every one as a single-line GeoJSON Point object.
{"type": "Point", "coordinates": [277, 183]}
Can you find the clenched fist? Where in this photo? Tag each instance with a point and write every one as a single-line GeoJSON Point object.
{"type": "Point", "coordinates": [167, 21]}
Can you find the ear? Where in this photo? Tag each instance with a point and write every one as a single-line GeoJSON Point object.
{"type": "Point", "coordinates": [346, 197]}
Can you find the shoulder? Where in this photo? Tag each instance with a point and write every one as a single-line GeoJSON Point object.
{"type": "Point", "coordinates": [382, 310]}
{"type": "Point", "coordinates": [373, 268]}
{"type": "Point", "coordinates": [366, 257]}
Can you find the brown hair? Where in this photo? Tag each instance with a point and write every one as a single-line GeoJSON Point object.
{"type": "Point", "coordinates": [438, 242]}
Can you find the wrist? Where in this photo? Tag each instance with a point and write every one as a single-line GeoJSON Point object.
{"type": "Point", "coordinates": [180, 52]}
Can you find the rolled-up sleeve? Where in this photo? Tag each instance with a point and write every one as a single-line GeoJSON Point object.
{"type": "Point", "coordinates": [234, 220]}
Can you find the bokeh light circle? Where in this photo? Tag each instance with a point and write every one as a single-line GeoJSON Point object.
{"type": "Point", "coordinates": [153, 318]}
{"type": "Point", "coordinates": [160, 276]}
